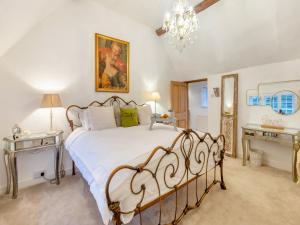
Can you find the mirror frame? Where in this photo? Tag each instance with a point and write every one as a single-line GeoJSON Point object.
{"type": "Point", "coordinates": [230, 132]}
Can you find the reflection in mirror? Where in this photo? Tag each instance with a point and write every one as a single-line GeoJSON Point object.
{"type": "Point", "coordinates": [285, 102]}
{"type": "Point", "coordinates": [266, 100]}
{"type": "Point", "coordinates": [252, 97]}
{"type": "Point", "coordinates": [228, 96]}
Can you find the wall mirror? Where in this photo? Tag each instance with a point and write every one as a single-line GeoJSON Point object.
{"type": "Point", "coordinates": [282, 97]}
{"type": "Point", "coordinates": [285, 102]}
{"type": "Point", "coordinates": [229, 100]}
{"type": "Point", "coordinates": [228, 94]}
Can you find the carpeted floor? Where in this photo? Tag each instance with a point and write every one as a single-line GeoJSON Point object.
{"type": "Point", "coordinates": [254, 196]}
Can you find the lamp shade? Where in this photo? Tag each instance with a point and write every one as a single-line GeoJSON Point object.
{"type": "Point", "coordinates": [155, 96]}
{"type": "Point", "coordinates": [51, 101]}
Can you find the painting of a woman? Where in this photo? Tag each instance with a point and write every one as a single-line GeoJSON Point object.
{"type": "Point", "coordinates": [112, 64]}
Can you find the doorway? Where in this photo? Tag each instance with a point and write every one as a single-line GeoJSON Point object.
{"type": "Point", "coordinates": [189, 102]}
{"type": "Point", "coordinates": [198, 105]}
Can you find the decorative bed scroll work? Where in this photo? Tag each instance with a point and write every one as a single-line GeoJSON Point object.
{"type": "Point", "coordinates": [169, 170]}
{"type": "Point", "coordinates": [191, 155]}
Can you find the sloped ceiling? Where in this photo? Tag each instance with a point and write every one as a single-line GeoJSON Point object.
{"type": "Point", "coordinates": [233, 33]}
{"type": "Point", "coordinates": [148, 12]}
{"type": "Point", "coordinates": [17, 17]}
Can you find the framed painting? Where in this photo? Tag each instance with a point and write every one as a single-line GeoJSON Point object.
{"type": "Point", "coordinates": [112, 64]}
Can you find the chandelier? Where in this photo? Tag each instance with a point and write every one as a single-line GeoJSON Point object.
{"type": "Point", "coordinates": [181, 24]}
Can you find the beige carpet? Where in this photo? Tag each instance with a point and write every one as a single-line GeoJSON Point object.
{"type": "Point", "coordinates": [254, 196]}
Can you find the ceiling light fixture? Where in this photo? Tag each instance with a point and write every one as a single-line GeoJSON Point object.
{"type": "Point", "coordinates": [181, 24]}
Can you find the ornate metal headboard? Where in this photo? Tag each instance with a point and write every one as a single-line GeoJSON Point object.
{"type": "Point", "coordinates": [73, 111]}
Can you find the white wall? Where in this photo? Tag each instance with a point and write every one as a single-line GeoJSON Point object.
{"type": "Point", "coordinates": [18, 17]}
{"type": "Point", "coordinates": [58, 55]}
{"type": "Point", "coordinates": [198, 119]}
{"type": "Point", "coordinates": [276, 156]}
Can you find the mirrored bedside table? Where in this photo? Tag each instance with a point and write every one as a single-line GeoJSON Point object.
{"type": "Point", "coordinates": [27, 143]}
{"type": "Point", "coordinates": [168, 121]}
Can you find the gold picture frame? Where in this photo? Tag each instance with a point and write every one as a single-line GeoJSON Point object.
{"type": "Point", "coordinates": [112, 64]}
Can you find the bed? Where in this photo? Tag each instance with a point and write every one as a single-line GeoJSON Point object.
{"type": "Point", "coordinates": [131, 169]}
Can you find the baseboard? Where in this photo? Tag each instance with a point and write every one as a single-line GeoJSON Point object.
{"type": "Point", "coordinates": [31, 182]}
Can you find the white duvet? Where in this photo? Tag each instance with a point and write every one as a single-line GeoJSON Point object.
{"type": "Point", "coordinates": [97, 153]}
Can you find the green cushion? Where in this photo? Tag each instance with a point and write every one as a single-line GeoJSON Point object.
{"type": "Point", "coordinates": [129, 117]}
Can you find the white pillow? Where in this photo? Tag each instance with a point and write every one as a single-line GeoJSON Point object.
{"type": "Point", "coordinates": [83, 119]}
{"type": "Point", "coordinates": [144, 114]}
{"type": "Point", "coordinates": [117, 115]}
{"type": "Point", "coordinates": [98, 118]}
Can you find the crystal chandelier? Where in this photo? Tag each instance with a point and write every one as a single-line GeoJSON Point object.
{"type": "Point", "coordinates": [181, 24]}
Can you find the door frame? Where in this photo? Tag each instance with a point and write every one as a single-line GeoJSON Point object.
{"type": "Point", "coordinates": [197, 80]}
{"type": "Point", "coordinates": [187, 100]}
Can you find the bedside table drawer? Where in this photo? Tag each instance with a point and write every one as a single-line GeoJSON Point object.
{"type": "Point", "coordinates": [35, 143]}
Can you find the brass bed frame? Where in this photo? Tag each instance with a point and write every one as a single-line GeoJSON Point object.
{"type": "Point", "coordinates": [189, 143]}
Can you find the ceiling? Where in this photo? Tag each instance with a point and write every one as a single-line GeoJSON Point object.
{"type": "Point", "coordinates": [148, 12]}
{"type": "Point", "coordinates": [233, 34]}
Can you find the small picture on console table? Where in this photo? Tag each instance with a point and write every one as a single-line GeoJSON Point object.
{"type": "Point", "coordinates": [112, 64]}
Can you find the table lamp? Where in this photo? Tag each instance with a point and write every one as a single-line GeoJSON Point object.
{"type": "Point", "coordinates": [155, 96]}
{"type": "Point", "coordinates": [51, 101]}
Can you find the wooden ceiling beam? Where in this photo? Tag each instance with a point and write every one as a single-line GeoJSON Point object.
{"type": "Point", "coordinates": [204, 5]}
{"type": "Point", "coordinates": [198, 8]}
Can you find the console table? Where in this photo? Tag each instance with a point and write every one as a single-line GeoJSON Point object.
{"type": "Point", "coordinates": [288, 136]}
{"type": "Point", "coordinates": [33, 142]}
